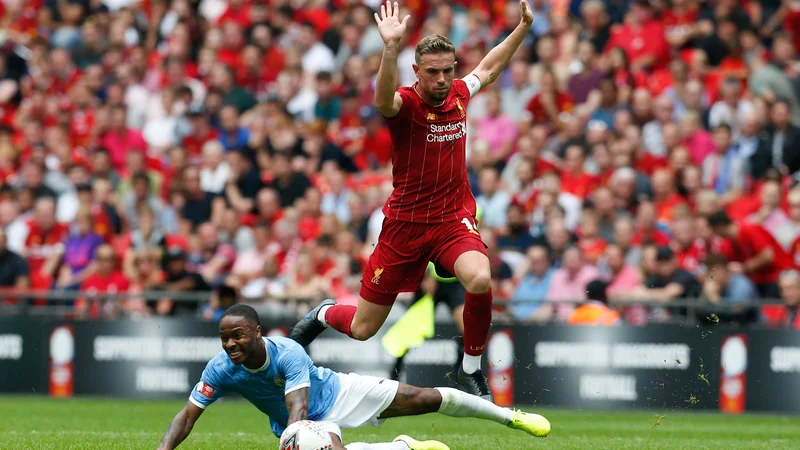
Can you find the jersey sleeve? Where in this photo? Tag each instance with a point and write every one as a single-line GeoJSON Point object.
{"type": "Point", "coordinates": [408, 105]}
{"type": "Point", "coordinates": [208, 389]}
{"type": "Point", "coordinates": [293, 366]}
{"type": "Point", "coordinates": [473, 84]}
{"type": "Point", "coordinates": [758, 238]}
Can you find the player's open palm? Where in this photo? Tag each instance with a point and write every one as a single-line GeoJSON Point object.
{"type": "Point", "coordinates": [389, 24]}
{"type": "Point", "coordinates": [527, 13]}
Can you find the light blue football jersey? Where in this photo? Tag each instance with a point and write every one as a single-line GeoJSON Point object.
{"type": "Point", "coordinates": [287, 369]}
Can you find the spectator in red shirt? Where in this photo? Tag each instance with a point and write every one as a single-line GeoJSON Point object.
{"type": "Point", "coordinates": [794, 215]}
{"type": "Point", "coordinates": [44, 246]}
{"type": "Point", "coordinates": [573, 178]}
{"type": "Point", "coordinates": [641, 37]}
{"type": "Point", "coordinates": [679, 22]}
{"type": "Point", "coordinates": [591, 245]}
{"type": "Point", "coordinates": [665, 195]}
{"type": "Point", "coordinates": [106, 279]}
{"type": "Point", "coordinates": [756, 253]}
{"type": "Point", "coordinates": [268, 207]}
{"type": "Point", "coordinates": [376, 143]}
{"type": "Point", "coordinates": [646, 226]}
{"type": "Point", "coordinates": [683, 243]}
{"type": "Point", "coordinates": [202, 131]}
{"type": "Point", "coordinates": [549, 104]}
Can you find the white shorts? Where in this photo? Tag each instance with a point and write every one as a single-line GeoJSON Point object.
{"type": "Point", "coordinates": [362, 399]}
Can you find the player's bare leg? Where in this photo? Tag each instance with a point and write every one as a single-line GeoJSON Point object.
{"type": "Point", "coordinates": [359, 323]}
{"type": "Point", "coordinates": [473, 270]}
{"type": "Point", "coordinates": [412, 401]}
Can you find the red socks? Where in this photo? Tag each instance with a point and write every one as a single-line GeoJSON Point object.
{"type": "Point", "coordinates": [340, 317]}
{"type": "Point", "coordinates": [477, 321]}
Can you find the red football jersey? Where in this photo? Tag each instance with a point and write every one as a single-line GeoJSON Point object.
{"type": "Point", "coordinates": [40, 244]}
{"type": "Point", "coordinates": [114, 283]}
{"type": "Point", "coordinates": [751, 239]}
{"type": "Point", "coordinates": [794, 252]}
{"type": "Point", "coordinates": [429, 159]}
{"type": "Point", "coordinates": [580, 185]}
{"type": "Point", "coordinates": [689, 258]}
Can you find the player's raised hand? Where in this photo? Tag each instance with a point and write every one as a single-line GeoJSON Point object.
{"type": "Point", "coordinates": [527, 12]}
{"type": "Point", "coordinates": [389, 24]}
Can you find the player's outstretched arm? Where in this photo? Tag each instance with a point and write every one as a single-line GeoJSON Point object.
{"type": "Point", "coordinates": [180, 427]}
{"type": "Point", "coordinates": [391, 29]}
{"type": "Point", "coordinates": [497, 59]}
{"type": "Point", "coordinates": [297, 405]}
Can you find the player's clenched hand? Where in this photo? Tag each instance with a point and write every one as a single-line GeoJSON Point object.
{"type": "Point", "coordinates": [389, 24]}
{"type": "Point", "coordinates": [527, 12]}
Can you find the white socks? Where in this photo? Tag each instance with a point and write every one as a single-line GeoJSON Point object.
{"type": "Point", "coordinates": [471, 364]}
{"type": "Point", "coordinates": [386, 446]}
{"type": "Point", "coordinates": [460, 404]}
{"type": "Point", "coordinates": [321, 314]}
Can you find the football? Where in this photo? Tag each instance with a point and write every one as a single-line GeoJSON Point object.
{"type": "Point", "coordinates": [305, 435]}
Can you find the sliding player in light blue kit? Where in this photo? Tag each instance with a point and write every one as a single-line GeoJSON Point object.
{"type": "Point", "coordinates": [278, 377]}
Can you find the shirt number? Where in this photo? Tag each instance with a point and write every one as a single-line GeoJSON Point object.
{"type": "Point", "coordinates": [471, 226]}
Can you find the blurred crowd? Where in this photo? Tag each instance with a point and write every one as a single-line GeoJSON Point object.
{"type": "Point", "coordinates": [631, 150]}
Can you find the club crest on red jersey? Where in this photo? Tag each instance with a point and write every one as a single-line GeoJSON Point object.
{"type": "Point", "coordinates": [377, 278]}
{"type": "Point", "coordinates": [461, 111]}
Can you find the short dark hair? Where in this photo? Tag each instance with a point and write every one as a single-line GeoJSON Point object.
{"type": "Point", "coordinates": [719, 218]}
{"type": "Point", "coordinates": [141, 176]}
{"type": "Point", "coordinates": [325, 240]}
{"type": "Point", "coordinates": [324, 76]}
{"type": "Point", "coordinates": [723, 126]}
{"type": "Point", "coordinates": [245, 311]}
{"type": "Point", "coordinates": [716, 260]}
{"type": "Point", "coordinates": [665, 254]}
{"type": "Point", "coordinates": [184, 90]}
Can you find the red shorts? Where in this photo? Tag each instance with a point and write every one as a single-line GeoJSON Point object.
{"type": "Point", "coordinates": [400, 258]}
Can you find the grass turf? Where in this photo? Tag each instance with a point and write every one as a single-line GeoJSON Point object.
{"type": "Point", "coordinates": [43, 423]}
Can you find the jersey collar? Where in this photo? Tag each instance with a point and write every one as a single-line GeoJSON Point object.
{"type": "Point", "coordinates": [423, 100]}
{"type": "Point", "coordinates": [266, 363]}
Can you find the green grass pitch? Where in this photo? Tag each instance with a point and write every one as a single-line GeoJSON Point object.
{"type": "Point", "coordinates": [42, 423]}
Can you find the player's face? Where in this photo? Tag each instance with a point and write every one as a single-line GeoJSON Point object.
{"type": "Point", "coordinates": [435, 73]}
{"type": "Point", "coordinates": [239, 338]}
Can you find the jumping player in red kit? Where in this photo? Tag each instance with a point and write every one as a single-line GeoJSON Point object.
{"type": "Point", "coordinates": [430, 215]}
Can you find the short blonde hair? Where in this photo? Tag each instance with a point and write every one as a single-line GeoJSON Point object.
{"type": "Point", "coordinates": [433, 44]}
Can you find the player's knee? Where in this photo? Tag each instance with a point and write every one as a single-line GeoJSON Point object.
{"type": "Point", "coordinates": [362, 331]}
{"type": "Point", "coordinates": [427, 400]}
{"type": "Point", "coordinates": [478, 282]}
